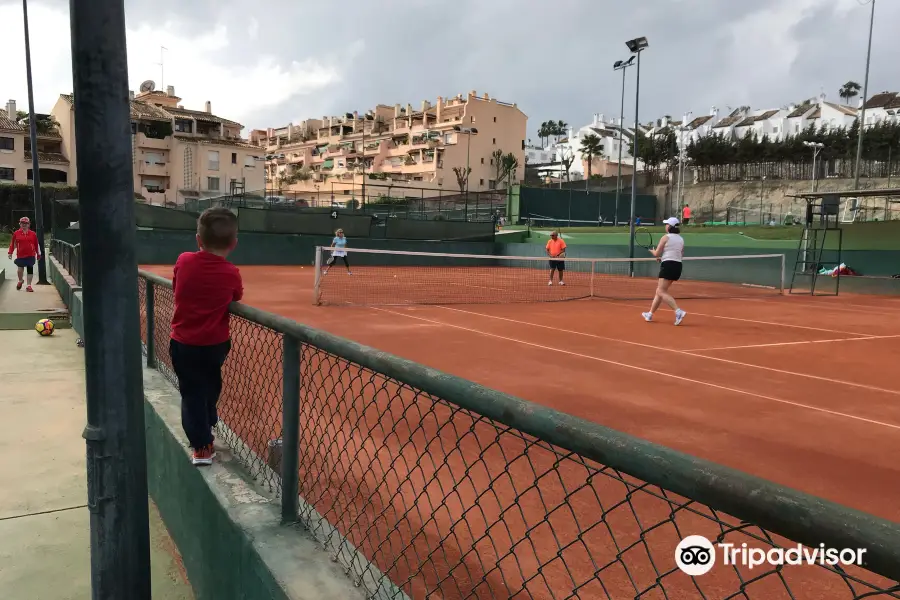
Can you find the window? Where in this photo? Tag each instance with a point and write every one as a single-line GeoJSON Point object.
{"type": "Point", "coordinates": [234, 158]}
{"type": "Point", "coordinates": [492, 185]}
{"type": "Point", "coordinates": [250, 162]}
{"type": "Point", "coordinates": [482, 161]}
{"type": "Point", "coordinates": [7, 143]}
{"type": "Point", "coordinates": [471, 119]}
{"type": "Point", "coordinates": [481, 182]}
{"type": "Point", "coordinates": [495, 119]}
{"type": "Point", "coordinates": [153, 158]}
{"type": "Point", "coordinates": [492, 162]}
{"type": "Point", "coordinates": [212, 184]}
{"type": "Point", "coordinates": [494, 141]}
{"type": "Point", "coordinates": [153, 185]}
{"type": "Point", "coordinates": [7, 174]}
{"type": "Point", "coordinates": [213, 162]}
{"type": "Point", "coordinates": [184, 125]}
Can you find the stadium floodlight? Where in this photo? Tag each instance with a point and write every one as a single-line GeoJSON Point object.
{"type": "Point", "coordinates": [816, 148]}
{"type": "Point", "coordinates": [636, 46]}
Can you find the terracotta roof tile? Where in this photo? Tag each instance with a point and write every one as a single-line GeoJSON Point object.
{"type": "Point", "coordinates": [201, 116]}
{"type": "Point", "coordinates": [48, 157]}
{"type": "Point", "coordinates": [217, 142]}
{"type": "Point", "coordinates": [800, 111]}
{"type": "Point", "coordinates": [7, 124]}
{"type": "Point", "coordinates": [767, 115]}
{"type": "Point", "coordinates": [727, 122]}
{"type": "Point", "coordinates": [816, 114]}
{"type": "Point", "coordinates": [148, 112]}
{"type": "Point", "coordinates": [881, 100]}
{"type": "Point", "coordinates": [747, 122]}
{"type": "Point", "coordinates": [699, 121]}
{"type": "Point", "coordinates": [844, 109]}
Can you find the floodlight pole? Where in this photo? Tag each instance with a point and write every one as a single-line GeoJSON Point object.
{"type": "Point", "coordinates": [35, 165]}
{"type": "Point", "coordinates": [623, 66]}
{"type": "Point", "coordinates": [637, 97]}
{"type": "Point", "coordinates": [862, 114]}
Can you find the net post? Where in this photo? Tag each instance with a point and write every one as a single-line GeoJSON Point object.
{"type": "Point", "coordinates": [318, 266]}
{"type": "Point", "coordinates": [290, 437]}
{"type": "Point", "coordinates": [150, 304]}
{"type": "Point", "coordinates": [593, 265]}
{"type": "Point", "coordinates": [781, 291]}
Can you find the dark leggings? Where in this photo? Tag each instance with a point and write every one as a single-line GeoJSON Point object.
{"type": "Point", "coordinates": [343, 258]}
{"type": "Point", "coordinates": [199, 372]}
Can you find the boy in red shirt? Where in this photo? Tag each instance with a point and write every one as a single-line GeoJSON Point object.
{"type": "Point", "coordinates": [25, 243]}
{"type": "Point", "coordinates": [205, 283]}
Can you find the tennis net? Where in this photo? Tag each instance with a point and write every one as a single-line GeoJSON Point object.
{"type": "Point", "coordinates": [387, 277]}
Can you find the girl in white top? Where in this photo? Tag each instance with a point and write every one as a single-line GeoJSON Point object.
{"type": "Point", "coordinates": [339, 243]}
{"type": "Point", "coordinates": [669, 253]}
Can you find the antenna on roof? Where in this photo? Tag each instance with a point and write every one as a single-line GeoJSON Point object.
{"type": "Point", "coordinates": [162, 68]}
{"type": "Point", "coordinates": [148, 86]}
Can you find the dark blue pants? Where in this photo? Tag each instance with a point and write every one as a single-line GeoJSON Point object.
{"type": "Point", "coordinates": [199, 371]}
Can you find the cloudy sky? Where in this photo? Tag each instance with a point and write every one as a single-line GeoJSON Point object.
{"type": "Point", "coordinates": [267, 63]}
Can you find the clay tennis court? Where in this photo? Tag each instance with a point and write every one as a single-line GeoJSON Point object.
{"type": "Point", "coordinates": [798, 390]}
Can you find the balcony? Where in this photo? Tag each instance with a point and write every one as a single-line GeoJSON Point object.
{"type": "Point", "coordinates": [153, 169]}
{"type": "Point", "coordinates": [152, 143]}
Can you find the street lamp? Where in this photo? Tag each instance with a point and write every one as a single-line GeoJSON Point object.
{"type": "Point", "coordinates": [681, 160]}
{"type": "Point", "coordinates": [35, 166]}
{"type": "Point", "coordinates": [636, 46]}
{"type": "Point", "coordinates": [621, 65]}
{"type": "Point", "coordinates": [862, 114]}
{"type": "Point", "coordinates": [816, 148]}
{"type": "Point", "coordinates": [469, 132]}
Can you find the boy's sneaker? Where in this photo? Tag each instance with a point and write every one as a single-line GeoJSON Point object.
{"type": "Point", "coordinates": [647, 316]}
{"type": "Point", "coordinates": [19, 285]}
{"type": "Point", "coordinates": [29, 289]}
{"type": "Point", "coordinates": [679, 316]}
{"type": "Point", "coordinates": [202, 456]}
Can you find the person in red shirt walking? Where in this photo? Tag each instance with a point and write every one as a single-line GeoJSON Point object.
{"type": "Point", "coordinates": [25, 244]}
{"type": "Point", "coordinates": [205, 284]}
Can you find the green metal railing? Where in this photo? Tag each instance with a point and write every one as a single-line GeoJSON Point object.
{"type": "Point", "coordinates": [69, 256]}
{"type": "Point", "coordinates": [425, 485]}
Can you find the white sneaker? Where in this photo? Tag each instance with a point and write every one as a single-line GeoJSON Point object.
{"type": "Point", "coordinates": [549, 283]}
{"type": "Point", "coordinates": [647, 316]}
{"type": "Point", "coordinates": [349, 273]}
{"type": "Point", "coordinates": [562, 283]}
{"type": "Point", "coordinates": [679, 316]}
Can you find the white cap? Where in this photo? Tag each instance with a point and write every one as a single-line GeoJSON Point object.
{"type": "Point", "coordinates": [671, 222]}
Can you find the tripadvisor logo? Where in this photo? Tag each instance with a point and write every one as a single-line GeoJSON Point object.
{"type": "Point", "coordinates": [695, 555]}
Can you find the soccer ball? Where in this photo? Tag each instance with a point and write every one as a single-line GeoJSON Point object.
{"type": "Point", "coordinates": [44, 327]}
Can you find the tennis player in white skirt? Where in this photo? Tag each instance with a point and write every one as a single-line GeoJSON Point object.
{"type": "Point", "coordinates": [670, 253]}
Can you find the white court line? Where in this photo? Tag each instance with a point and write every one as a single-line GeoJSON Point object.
{"type": "Point", "coordinates": [825, 305]}
{"type": "Point", "coordinates": [856, 333]}
{"type": "Point", "coordinates": [683, 352]}
{"type": "Point", "coordinates": [871, 337]}
{"type": "Point", "coordinates": [667, 376]}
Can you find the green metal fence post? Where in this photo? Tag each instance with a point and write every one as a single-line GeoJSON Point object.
{"type": "Point", "coordinates": [150, 303]}
{"type": "Point", "coordinates": [290, 438]}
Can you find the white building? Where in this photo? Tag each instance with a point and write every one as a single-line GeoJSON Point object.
{"type": "Point", "coordinates": [883, 107]}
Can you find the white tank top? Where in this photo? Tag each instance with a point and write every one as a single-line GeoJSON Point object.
{"type": "Point", "coordinates": [674, 249]}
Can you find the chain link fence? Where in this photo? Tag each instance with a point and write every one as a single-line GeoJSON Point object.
{"type": "Point", "coordinates": [423, 485]}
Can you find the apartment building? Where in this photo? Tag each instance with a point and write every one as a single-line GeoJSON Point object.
{"type": "Point", "coordinates": [178, 153]}
{"type": "Point", "coordinates": [399, 145]}
{"type": "Point", "coordinates": [15, 149]}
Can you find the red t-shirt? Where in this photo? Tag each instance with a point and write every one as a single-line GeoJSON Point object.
{"type": "Point", "coordinates": [205, 284]}
{"type": "Point", "coordinates": [25, 243]}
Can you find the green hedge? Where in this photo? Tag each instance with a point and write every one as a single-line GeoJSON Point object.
{"type": "Point", "coordinates": [17, 201]}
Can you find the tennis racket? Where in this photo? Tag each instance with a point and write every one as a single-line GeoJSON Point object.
{"type": "Point", "coordinates": [643, 238]}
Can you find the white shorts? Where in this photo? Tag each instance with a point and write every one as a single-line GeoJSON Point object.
{"type": "Point", "coordinates": [339, 253]}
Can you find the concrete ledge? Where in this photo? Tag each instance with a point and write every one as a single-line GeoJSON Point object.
{"type": "Point", "coordinates": [227, 528]}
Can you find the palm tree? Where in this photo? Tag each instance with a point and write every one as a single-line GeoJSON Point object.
{"type": "Point", "coordinates": [591, 146]}
{"type": "Point", "coordinates": [849, 90]}
{"type": "Point", "coordinates": [544, 132]}
{"type": "Point", "coordinates": [560, 129]}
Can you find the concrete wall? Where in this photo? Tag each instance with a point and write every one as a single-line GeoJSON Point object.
{"type": "Point", "coordinates": [746, 194]}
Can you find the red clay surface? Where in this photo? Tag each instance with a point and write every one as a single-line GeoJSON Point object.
{"type": "Point", "coordinates": [796, 389]}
